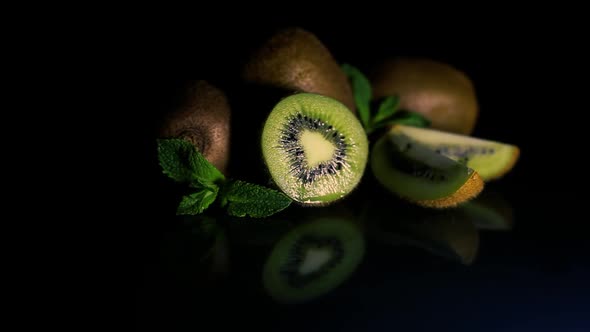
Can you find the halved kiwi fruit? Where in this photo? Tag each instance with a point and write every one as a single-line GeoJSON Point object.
{"type": "Point", "coordinates": [315, 148]}
{"type": "Point", "coordinates": [490, 159]}
{"type": "Point", "coordinates": [418, 174]}
{"type": "Point", "coordinates": [313, 259]}
{"type": "Point", "coordinates": [440, 92]}
{"type": "Point", "coordinates": [296, 60]}
{"type": "Point", "coordinates": [204, 120]}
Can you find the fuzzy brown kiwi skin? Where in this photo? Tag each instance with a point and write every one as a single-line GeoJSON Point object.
{"type": "Point", "coordinates": [440, 92]}
{"type": "Point", "coordinates": [204, 120]}
{"type": "Point", "coordinates": [295, 59]}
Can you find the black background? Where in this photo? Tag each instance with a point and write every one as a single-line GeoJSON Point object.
{"type": "Point", "coordinates": [532, 278]}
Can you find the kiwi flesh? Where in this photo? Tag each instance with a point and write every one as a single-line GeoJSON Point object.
{"type": "Point", "coordinates": [313, 259]}
{"type": "Point", "coordinates": [415, 172]}
{"type": "Point", "coordinates": [296, 60]}
{"type": "Point", "coordinates": [490, 159]}
{"type": "Point", "coordinates": [440, 92]}
{"type": "Point", "coordinates": [447, 233]}
{"type": "Point", "coordinates": [204, 120]}
{"type": "Point", "coordinates": [315, 149]}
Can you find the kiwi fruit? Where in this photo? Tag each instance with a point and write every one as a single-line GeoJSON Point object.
{"type": "Point", "coordinates": [203, 119]}
{"type": "Point", "coordinates": [315, 149]}
{"type": "Point", "coordinates": [490, 159]}
{"type": "Point", "coordinates": [446, 233]}
{"type": "Point", "coordinates": [440, 92]}
{"type": "Point", "coordinates": [313, 259]}
{"type": "Point", "coordinates": [415, 172]}
{"type": "Point", "coordinates": [296, 60]}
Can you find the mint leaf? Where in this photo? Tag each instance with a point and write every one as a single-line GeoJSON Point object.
{"type": "Point", "coordinates": [247, 199]}
{"type": "Point", "coordinates": [387, 108]}
{"type": "Point", "coordinates": [197, 203]}
{"type": "Point", "coordinates": [411, 119]}
{"type": "Point", "coordinates": [361, 89]}
{"type": "Point", "coordinates": [181, 161]}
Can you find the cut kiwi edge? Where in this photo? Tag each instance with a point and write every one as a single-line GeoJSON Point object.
{"type": "Point", "coordinates": [513, 159]}
{"type": "Point", "coordinates": [469, 190]}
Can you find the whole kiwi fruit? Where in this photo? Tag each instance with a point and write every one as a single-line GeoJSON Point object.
{"type": "Point", "coordinates": [295, 59]}
{"type": "Point", "coordinates": [203, 118]}
{"type": "Point", "coordinates": [439, 91]}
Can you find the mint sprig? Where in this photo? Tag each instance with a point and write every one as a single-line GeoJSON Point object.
{"type": "Point", "coordinates": [181, 161]}
{"type": "Point", "coordinates": [387, 113]}
{"type": "Point", "coordinates": [362, 92]}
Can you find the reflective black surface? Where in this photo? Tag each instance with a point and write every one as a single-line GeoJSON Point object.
{"type": "Point", "coordinates": [528, 276]}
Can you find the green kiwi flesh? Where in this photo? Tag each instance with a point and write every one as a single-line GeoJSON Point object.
{"type": "Point", "coordinates": [490, 159]}
{"type": "Point", "coordinates": [315, 149]}
{"type": "Point", "coordinates": [313, 259]}
{"type": "Point", "coordinates": [414, 171]}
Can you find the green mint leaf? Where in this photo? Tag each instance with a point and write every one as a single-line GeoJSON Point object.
{"type": "Point", "coordinates": [197, 203]}
{"type": "Point", "coordinates": [361, 89]}
{"type": "Point", "coordinates": [181, 161]}
{"type": "Point", "coordinates": [387, 108]}
{"type": "Point", "coordinates": [411, 119]}
{"type": "Point", "coordinates": [247, 199]}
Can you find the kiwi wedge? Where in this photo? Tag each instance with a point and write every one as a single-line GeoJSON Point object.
{"type": "Point", "coordinates": [296, 60]}
{"type": "Point", "coordinates": [313, 259]}
{"type": "Point", "coordinates": [447, 233]}
{"type": "Point", "coordinates": [203, 119]}
{"type": "Point", "coordinates": [490, 159]}
{"type": "Point", "coordinates": [417, 173]}
{"type": "Point", "coordinates": [315, 149]}
{"type": "Point", "coordinates": [440, 92]}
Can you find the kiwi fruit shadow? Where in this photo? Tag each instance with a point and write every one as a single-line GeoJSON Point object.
{"type": "Point", "coordinates": [448, 233]}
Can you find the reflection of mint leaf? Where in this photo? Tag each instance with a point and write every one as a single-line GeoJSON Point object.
{"type": "Point", "coordinates": [244, 199]}
{"type": "Point", "coordinates": [361, 89]}
{"type": "Point", "coordinates": [387, 108]}
{"type": "Point", "coordinates": [411, 119]}
{"type": "Point", "coordinates": [197, 202]}
{"type": "Point", "coordinates": [182, 162]}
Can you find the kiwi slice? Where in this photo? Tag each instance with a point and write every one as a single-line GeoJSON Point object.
{"type": "Point", "coordinates": [490, 159]}
{"type": "Point", "coordinates": [315, 149]}
{"type": "Point", "coordinates": [296, 60]}
{"type": "Point", "coordinates": [203, 118]}
{"type": "Point", "coordinates": [417, 173]}
{"type": "Point", "coordinates": [313, 259]}
{"type": "Point", "coordinates": [440, 92]}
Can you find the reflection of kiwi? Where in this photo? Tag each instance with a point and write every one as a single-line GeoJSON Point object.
{"type": "Point", "coordinates": [204, 120]}
{"type": "Point", "coordinates": [448, 233]}
{"type": "Point", "coordinates": [490, 159]}
{"type": "Point", "coordinates": [438, 91]}
{"type": "Point", "coordinates": [294, 59]}
{"type": "Point", "coordinates": [315, 149]}
{"type": "Point", "coordinates": [417, 173]}
{"type": "Point", "coordinates": [490, 211]}
{"type": "Point", "coordinates": [313, 259]}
